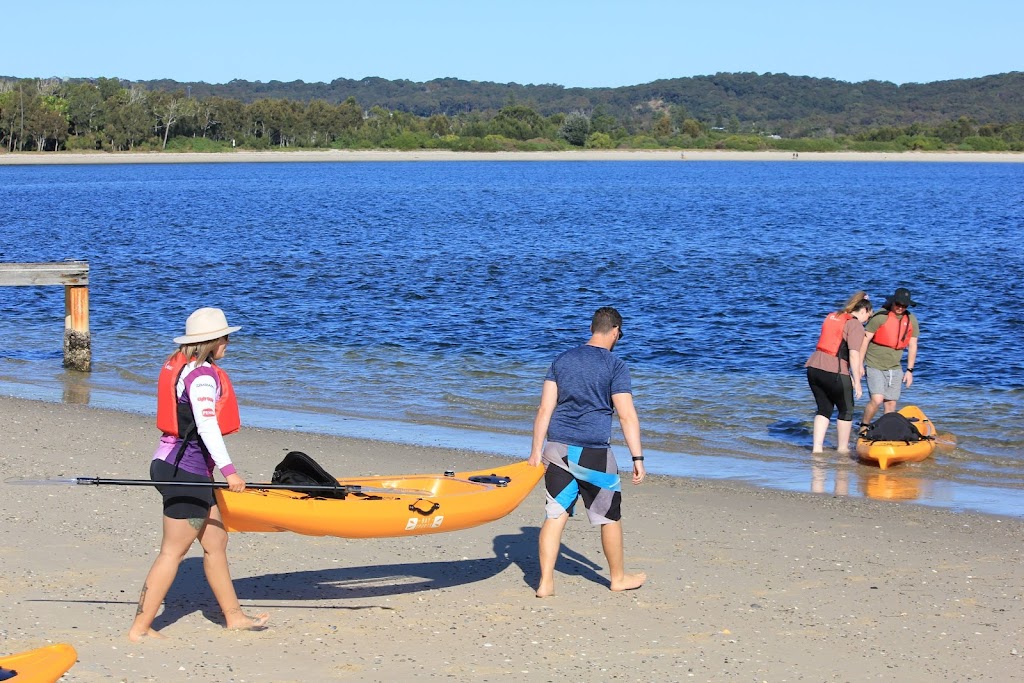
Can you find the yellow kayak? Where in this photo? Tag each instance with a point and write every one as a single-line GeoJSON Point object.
{"type": "Point", "coordinates": [886, 453]}
{"type": "Point", "coordinates": [42, 665]}
{"type": "Point", "coordinates": [423, 504]}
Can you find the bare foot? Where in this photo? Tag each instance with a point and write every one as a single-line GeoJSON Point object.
{"type": "Point", "coordinates": [843, 451]}
{"type": "Point", "coordinates": [629, 582]}
{"type": "Point", "coordinates": [247, 623]}
{"type": "Point", "coordinates": [817, 450]}
{"type": "Point", "coordinates": [545, 589]}
{"type": "Point", "coordinates": [150, 633]}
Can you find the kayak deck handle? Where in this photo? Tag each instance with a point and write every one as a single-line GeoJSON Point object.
{"type": "Point", "coordinates": [433, 506]}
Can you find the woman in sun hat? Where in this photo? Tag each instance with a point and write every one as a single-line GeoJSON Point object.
{"type": "Point", "coordinates": [196, 407]}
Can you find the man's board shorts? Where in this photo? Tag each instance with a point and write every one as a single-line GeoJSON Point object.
{"type": "Point", "coordinates": [577, 472]}
{"type": "Point", "coordinates": [182, 502]}
{"type": "Point", "coordinates": [885, 382]}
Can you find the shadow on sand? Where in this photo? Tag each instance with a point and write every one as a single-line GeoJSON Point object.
{"type": "Point", "coordinates": [366, 582]}
{"type": "Point", "coordinates": [190, 592]}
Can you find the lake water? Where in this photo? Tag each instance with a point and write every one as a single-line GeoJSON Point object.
{"type": "Point", "coordinates": [422, 301]}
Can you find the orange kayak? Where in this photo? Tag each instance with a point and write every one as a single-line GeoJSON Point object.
{"type": "Point", "coordinates": [886, 453]}
{"type": "Point", "coordinates": [42, 665]}
{"type": "Point", "coordinates": [422, 504]}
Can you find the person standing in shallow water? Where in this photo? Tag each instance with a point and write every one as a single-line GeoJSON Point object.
{"type": "Point", "coordinates": [196, 406]}
{"type": "Point", "coordinates": [888, 333]}
{"type": "Point", "coordinates": [582, 389]}
{"type": "Point", "coordinates": [834, 371]}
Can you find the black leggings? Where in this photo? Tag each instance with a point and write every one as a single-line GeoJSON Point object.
{"type": "Point", "coordinates": [831, 391]}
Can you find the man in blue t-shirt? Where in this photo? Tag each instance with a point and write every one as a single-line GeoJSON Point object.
{"type": "Point", "coordinates": [581, 390]}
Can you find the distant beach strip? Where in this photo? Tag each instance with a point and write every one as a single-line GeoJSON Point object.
{"type": "Point", "coordinates": [334, 155]}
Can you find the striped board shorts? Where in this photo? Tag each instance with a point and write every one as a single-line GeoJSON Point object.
{"type": "Point", "coordinates": [574, 472]}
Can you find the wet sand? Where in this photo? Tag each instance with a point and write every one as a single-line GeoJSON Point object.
{"type": "Point", "coordinates": [744, 584]}
{"type": "Point", "coordinates": [35, 158]}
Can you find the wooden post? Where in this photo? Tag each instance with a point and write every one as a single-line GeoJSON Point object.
{"type": "Point", "coordinates": [77, 343]}
{"type": "Point", "coordinates": [74, 275]}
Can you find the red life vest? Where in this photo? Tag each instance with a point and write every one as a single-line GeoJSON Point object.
{"type": "Point", "coordinates": [894, 332]}
{"type": "Point", "coordinates": [174, 418]}
{"type": "Point", "coordinates": [831, 338]}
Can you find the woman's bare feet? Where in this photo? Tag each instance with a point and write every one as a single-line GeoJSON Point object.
{"type": "Point", "coordinates": [629, 582]}
{"type": "Point", "coordinates": [546, 589]}
{"type": "Point", "coordinates": [239, 621]}
{"type": "Point", "coordinates": [149, 633]}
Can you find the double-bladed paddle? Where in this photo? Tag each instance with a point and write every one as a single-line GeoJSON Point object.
{"type": "Point", "coordinates": [344, 489]}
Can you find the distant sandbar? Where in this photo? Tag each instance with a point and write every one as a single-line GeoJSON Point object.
{"type": "Point", "coordinates": [35, 158]}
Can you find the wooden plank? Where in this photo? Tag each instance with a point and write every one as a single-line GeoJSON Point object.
{"type": "Point", "coordinates": [60, 273]}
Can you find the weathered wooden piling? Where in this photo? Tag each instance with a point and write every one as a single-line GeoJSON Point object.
{"type": "Point", "coordinates": [74, 275]}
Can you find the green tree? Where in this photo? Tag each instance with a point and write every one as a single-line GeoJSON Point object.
{"type": "Point", "coordinates": [599, 141]}
{"type": "Point", "coordinates": [85, 108]}
{"type": "Point", "coordinates": [324, 122]}
{"type": "Point", "coordinates": [8, 118]}
{"type": "Point", "coordinates": [693, 128]}
{"type": "Point", "coordinates": [518, 122]}
{"type": "Point", "coordinates": [129, 120]}
{"type": "Point", "coordinates": [679, 115]}
{"type": "Point", "coordinates": [439, 125]}
{"type": "Point", "coordinates": [167, 108]}
{"type": "Point", "coordinates": [224, 119]}
{"type": "Point", "coordinates": [575, 128]}
{"type": "Point", "coordinates": [603, 122]}
{"type": "Point", "coordinates": [662, 126]}
{"type": "Point", "coordinates": [350, 115]}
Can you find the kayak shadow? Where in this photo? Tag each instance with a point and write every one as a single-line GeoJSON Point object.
{"type": "Point", "coordinates": [190, 592]}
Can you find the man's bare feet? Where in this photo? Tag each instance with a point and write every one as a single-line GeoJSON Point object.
{"type": "Point", "coordinates": [243, 622]}
{"type": "Point", "coordinates": [546, 589]}
{"type": "Point", "coordinates": [629, 582]}
{"type": "Point", "coordinates": [150, 633]}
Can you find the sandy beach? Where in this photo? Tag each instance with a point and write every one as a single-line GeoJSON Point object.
{"type": "Point", "coordinates": [36, 158]}
{"type": "Point", "coordinates": [744, 584]}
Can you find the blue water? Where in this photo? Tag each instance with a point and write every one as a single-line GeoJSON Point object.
{"type": "Point", "coordinates": [422, 301]}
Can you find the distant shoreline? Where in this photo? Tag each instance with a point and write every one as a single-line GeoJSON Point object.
{"type": "Point", "coordinates": [305, 156]}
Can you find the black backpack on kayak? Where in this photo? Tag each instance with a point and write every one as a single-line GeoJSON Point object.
{"type": "Point", "coordinates": [892, 427]}
{"type": "Point", "coordinates": [298, 469]}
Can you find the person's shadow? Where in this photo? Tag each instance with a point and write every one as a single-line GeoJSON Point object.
{"type": "Point", "coordinates": [370, 581]}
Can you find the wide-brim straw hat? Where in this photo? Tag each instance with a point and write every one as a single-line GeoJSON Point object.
{"type": "Point", "coordinates": [205, 324]}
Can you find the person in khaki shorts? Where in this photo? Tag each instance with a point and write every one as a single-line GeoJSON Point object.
{"type": "Point", "coordinates": [889, 331]}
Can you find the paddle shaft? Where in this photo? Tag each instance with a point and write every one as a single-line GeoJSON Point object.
{"type": "Point", "coordinates": [340, 488]}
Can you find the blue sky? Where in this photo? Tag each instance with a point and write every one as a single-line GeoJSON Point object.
{"type": "Point", "coordinates": [568, 42]}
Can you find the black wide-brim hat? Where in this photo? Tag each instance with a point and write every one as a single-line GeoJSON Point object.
{"type": "Point", "coordinates": [900, 296]}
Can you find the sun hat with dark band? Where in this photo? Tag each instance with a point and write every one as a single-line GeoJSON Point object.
{"type": "Point", "coordinates": [205, 324]}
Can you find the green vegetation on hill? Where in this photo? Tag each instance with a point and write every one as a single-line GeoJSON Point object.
{"type": "Point", "coordinates": [740, 111]}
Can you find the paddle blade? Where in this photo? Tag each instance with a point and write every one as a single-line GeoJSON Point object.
{"type": "Point", "coordinates": [59, 481]}
{"type": "Point", "coordinates": [945, 442]}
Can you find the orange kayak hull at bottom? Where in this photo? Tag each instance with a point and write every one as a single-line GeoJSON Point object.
{"type": "Point", "coordinates": [437, 504]}
{"type": "Point", "coordinates": [42, 665]}
{"type": "Point", "coordinates": [886, 453]}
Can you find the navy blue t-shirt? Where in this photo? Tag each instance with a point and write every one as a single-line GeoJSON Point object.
{"type": "Point", "coordinates": [586, 376]}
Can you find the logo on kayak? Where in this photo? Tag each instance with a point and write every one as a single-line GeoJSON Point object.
{"type": "Point", "coordinates": [416, 523]}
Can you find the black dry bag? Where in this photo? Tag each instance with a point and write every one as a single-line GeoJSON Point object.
{"type": "Point", "coordinates": [298, 469]}
{"type": "Point", "coordinates": [892, 427]}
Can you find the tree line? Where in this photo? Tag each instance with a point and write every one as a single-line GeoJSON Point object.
{"type": "Point", "coordinates": [112, 115]}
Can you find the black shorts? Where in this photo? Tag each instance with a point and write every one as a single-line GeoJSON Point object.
{"type": "Point", "coordinates": [831, 391]}
{"type": "Point", "coordinates": [182, 502]}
